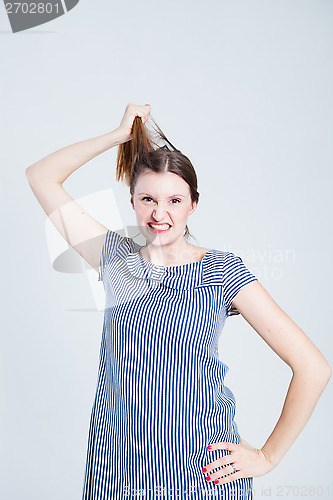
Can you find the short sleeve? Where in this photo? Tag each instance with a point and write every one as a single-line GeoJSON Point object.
{"type": "Point", "coordinates": [111, 243]}
{"type": "Point", "coordinates": [235, 276]}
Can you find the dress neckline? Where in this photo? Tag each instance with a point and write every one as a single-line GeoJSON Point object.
{"type": "Point", "coordinates": [182, 277]}
{"type": "Point", "coordinates": [180, 267]}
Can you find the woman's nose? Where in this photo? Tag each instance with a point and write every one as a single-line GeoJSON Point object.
{"type": "Point", "coordinates": [159, 213]}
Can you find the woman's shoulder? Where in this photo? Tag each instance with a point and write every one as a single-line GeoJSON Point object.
{"type": "Point", "coordinates": [220, 256]}
{"type": "Point", "coordinates": [221, 262]}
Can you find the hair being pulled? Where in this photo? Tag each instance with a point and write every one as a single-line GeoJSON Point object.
{"type": "Point", "coordinates": [144, 152]}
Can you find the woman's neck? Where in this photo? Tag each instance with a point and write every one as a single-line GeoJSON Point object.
{"type": "Point", "coordinates": [172, 254]}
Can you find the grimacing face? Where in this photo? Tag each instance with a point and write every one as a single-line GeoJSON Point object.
{"type": "Point", "coordinates": [164, 200]}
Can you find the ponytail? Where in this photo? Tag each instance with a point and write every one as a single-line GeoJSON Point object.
{"type": "Point", "coordinates": [134, 151]}
{"type": "Point", "coordinates": [137, 151]}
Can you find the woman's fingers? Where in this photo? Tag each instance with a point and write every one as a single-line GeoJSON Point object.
{"type": "Point", "coordinates": [145, 116]}
{"type": "Point", "coordinates": [132, 110]}
{"type": "Point", "coordinates": [138, 110]}
{"type": "Point", "coordinates": [243, 461]}
{"type": "Point", "coordinates": [225, 469]}
{"type": "Point", "coordinates": [229, 478]}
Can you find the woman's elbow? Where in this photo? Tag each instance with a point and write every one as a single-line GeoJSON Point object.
{"type": "Point", "coordinates": [329, 371]}
{"type": "Point", "coordinates": [320, 371]}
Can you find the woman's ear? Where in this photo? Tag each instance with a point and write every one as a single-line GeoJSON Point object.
{"type": "Point", "coordinates": [132, 201]}
{"type": "Point", "coordinates": [194, 205]}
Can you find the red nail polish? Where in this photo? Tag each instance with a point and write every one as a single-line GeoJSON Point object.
{"type": "Point", "coordinates": [209, 447]}
{"type": "Point", "coordinates": [216, 481]}
{"type": "Point", "coordinates": [207, 478]}
{"type": "Point", "coordinates": [204, 469]}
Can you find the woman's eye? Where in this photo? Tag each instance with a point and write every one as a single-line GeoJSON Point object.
{"type": "Point", "coordinates": [147, 198]}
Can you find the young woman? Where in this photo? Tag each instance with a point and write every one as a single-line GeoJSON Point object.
{"type": "Point", "coordinates": [162, 422]}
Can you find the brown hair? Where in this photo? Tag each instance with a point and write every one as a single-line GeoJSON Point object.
{"type": "Point", "coordinates": [142, 154]}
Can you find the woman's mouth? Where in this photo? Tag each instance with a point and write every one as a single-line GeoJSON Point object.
{"type": "Point", "coordinates": [158, 228]}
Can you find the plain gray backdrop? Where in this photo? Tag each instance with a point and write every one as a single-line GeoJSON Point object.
{"type": "Point", "coordinates": [244, 89]}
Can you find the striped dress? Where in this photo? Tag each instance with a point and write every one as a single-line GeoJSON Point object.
{"type": "Point", "coordinates": [160, 397]}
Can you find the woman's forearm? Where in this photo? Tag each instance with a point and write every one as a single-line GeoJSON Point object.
{"type": "Point", "coordinates": [57, 166]}
{"type": "Point", "coordinates": [303, 393]}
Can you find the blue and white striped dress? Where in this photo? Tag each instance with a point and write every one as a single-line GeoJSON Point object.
{"type": "Point", "coordinates": [160, 397]}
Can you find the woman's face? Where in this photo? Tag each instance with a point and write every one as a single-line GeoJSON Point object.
{"type": "Point", "coordinates": [162, 199]}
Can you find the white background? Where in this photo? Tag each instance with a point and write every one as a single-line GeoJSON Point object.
{"type": "Point", "coordinates": [244, 88]}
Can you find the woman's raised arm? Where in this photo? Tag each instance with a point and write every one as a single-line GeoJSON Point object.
{"type": "Point", "coordinates": [81, 231]}
{"type": "Point", "coordinates": [84, 233]}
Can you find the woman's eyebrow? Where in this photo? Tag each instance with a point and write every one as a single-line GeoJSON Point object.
{"type": "Point", "coordinates": [181, 195]}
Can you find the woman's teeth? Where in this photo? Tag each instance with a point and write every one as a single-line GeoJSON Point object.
{"type": "Point", "coordinates": [160, 227]}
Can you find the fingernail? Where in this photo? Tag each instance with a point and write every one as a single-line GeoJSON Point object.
{"type": "Point", "coordinates": [207, 478]}
{"type": "Point", "coordinates": [204, 469]}
{"type": "Point", "coordinates": [216, 481]}
{"type": "Point", "coordinates": [209, 447]}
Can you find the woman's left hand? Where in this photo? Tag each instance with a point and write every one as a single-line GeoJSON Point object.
{"type": "Point", "coordinates": [247, 460]}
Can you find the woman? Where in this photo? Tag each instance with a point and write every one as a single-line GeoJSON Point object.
{"type": "Point", "coordinates": [162, 422]}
